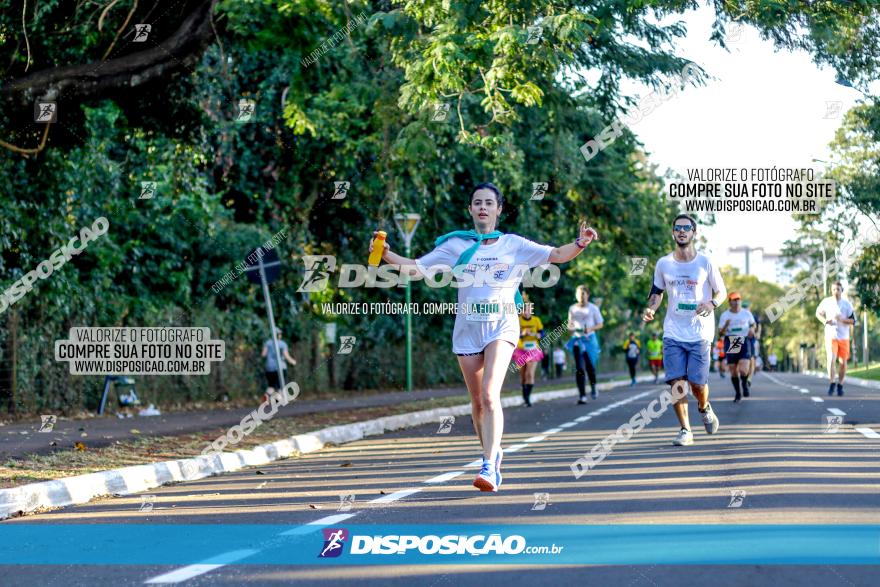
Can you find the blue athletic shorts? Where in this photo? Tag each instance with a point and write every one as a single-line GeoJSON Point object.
{"type": "Point", "coordinates": [686, 359]}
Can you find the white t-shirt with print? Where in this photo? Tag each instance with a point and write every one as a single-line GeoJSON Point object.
{"type": "Point", "coordinates": [581, 317]}
{"type": "Point", "coordinates": [490, 311]}
{"type": "Point", "coordinates": [739, 322]}
{"type": "Point", "coordinates": [831, 307]}
{"type": "Point", "coordinates": [688, 285]}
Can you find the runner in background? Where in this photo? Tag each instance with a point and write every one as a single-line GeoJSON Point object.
{"type": "Point", "coordinates": [753, 340]}
{"type": "Point", "coordinates": [771, 361]}
{"type": "Point", "coordinates": [273, 382]}
{"type": "Point", "coordinates": [735, 326]}
{"type": "Point", "coordinates": [559, 362]}
{"type": "Point", "coordinates": [584, 319]}
{"type": "Point", "coordinates": [655, 355]}
{"type": "Point", "coordinates": [838, 316]}
{"type": "Point", "coordinates": [633, 349]}
{"type": "Point", "coordinates": [527, 353]}
{"type": "Point", "coordinates": [718, 355]}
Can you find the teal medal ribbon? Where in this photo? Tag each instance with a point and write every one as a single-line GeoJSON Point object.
{"type": "Point", "coordinates": [469, 253]}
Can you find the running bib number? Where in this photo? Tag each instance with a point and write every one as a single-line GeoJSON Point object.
{"type": "Point", "coordinates": [530, 345]}
{"type": "Point", "coordinates": [686, 308]}
{"type": "Point", "coordinates": [736, 343]}
{"type": "Point", "coordinates": [483, 310]}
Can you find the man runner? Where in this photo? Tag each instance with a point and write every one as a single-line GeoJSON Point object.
{"type": "Point", "coordinates": [695, 290]}
{"type": "Point", "coordinates": [838, 316]}
{"type": "Point", "coordinates": [736, 326]}
{"type": "Point", "coordinates": [753, 339]}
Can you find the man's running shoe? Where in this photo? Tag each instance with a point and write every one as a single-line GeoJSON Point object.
{"type": "Point", "coordinates": [582, 399]}
{"type": "Point", "coordinates": [486, 479]}
{"type": "Point", "coordinates": [684, 438]}
{"type": "Point", "coordinates": [839, 389]}
{"type": "Point", "coordinates": [746, 391]}
{"type": "Point", "coordinates": [737, 398]}
{"type": "Point", "coordinates": [498, 467]}
{"type": "Point", "coordinates": [710, 420]}
{"type": "Point", "coordinates": [594, 394]}
{"type": "Point", "coordinates": [831, 388]}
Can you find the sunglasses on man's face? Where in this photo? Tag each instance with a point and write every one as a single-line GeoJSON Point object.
{"type": "Point", "coordinates": [682, 228]}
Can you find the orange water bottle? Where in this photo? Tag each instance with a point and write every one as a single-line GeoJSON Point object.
{"type": "Point", "coordinates": [378, 248]}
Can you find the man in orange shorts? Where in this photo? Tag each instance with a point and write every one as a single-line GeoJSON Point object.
{"type": "Point", "coordinates": [838, 317]}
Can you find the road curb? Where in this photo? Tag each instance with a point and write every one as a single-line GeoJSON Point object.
{"type": "Point", "coordinates": [118, 482]}
{"type": "Point", "coordinates": [855, 380]}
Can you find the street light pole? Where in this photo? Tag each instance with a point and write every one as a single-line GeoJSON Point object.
{"type": "Point", "coordinates": [406, 224]}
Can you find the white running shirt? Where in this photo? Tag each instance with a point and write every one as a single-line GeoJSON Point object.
{"type": "Point", "coordinates": [581, 317]}
{"type": "Point", "coordinates": [739, 322]}
{"type": "Point", "coordinates": [688, 285]}
{"type": "Point", "coordinates": [486, 319]}
{"type": "Point", "coordinates": [832, 308]}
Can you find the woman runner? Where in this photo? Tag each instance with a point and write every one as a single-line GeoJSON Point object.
{"type": "Point", "coordinates": [486, 332]}
{"type": "Point", "coordinates": [527, 354]}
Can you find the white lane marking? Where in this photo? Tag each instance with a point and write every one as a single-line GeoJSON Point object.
{"type": "Point", "coordinates": [868, 432]}
{"type": "Point", "coordinates": [514, 448]}
{"type": "Point", "coordinates": [444, 477]}
{"type": "Point", "coordinates": [818, 400]}
{"type": "Point", "coordinates": [803, 390]}
{"type": "Point", "coordinates": [472, 464]}
{"type": "Point", "coordinates": [535, 439]}
{"type": "Point", "coordinates": [395, 496]}
{"type": "Point", "coordinates": [552, 431]}
{"type": "Point", "coordinates": [190, 571]}
{"type": "Point", "coordinates": [568, 425]}
{"type": "Point", "coordinates": [582, 418]}
{"type": "Point", "coordinates": [317, 524]}
{"type": "Point", "coordinates": [837, 412]}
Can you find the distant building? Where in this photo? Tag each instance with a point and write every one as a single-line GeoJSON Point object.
{"type": "Point", "coordinates": [766, 266]}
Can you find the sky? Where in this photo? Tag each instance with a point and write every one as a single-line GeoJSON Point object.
{"type": "Point", "coordinates": [763, 108]}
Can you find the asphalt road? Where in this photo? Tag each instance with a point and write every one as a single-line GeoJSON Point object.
{"type": "Point", "coordinates": [776, 451]}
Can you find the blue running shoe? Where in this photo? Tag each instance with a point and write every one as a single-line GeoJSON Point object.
{"type": "Point", "coordinates": [498, 467]}
{"type": "Point", "coordinates": [486, 480]}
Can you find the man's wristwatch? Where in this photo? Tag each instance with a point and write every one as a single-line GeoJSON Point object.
{"type": "Point", "coordinates": [714, 303]}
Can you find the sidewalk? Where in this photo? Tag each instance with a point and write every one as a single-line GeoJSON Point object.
{"type": "Point", "coordinates": [869, 383]}
{"type": "Point", "coordinates": [20, 439]}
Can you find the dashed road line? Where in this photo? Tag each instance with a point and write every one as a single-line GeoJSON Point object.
{"type": "Point", "coordinates": [868, 433]}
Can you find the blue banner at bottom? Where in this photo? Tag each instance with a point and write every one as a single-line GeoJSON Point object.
{"type": "Point", "coordinates": [353, 544]}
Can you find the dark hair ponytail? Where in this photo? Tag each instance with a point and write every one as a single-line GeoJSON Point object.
{"type": "Point", "coordinates": [487, 186]}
